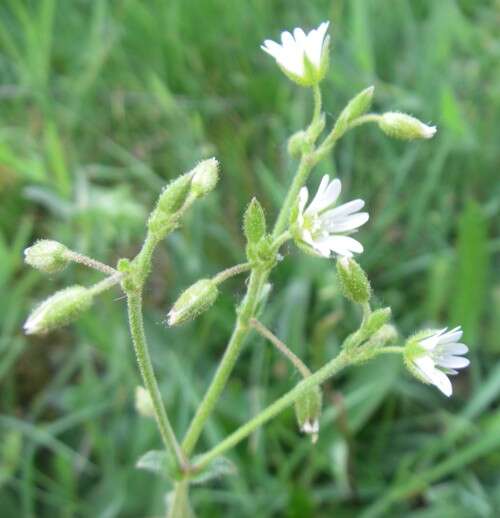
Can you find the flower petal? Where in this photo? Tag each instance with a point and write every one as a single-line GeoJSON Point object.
{"type": "Point", "coordinates": [344, 245]}
{"type": "Point", "coordinates": [456, 348]}
{"type": "Point", "coordinates": [346, 224]}
{"type": "Point", "coordinates": [345, 209]}
{"type": "Point", "coordinates": [453, 362]}
{"type": "Point", "coordinates": [451, 336]}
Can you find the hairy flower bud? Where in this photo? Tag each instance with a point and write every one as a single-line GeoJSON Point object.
{"type": "Point", "coordinates": [376, 320]}
{"type": "Point", "coordinates": [60, 309]}
{"type": "Point", "coordinates": [47, 256]}
{"type": "Point", "coordinates": [308, 412]}
{"type": "Point", "coordinates": [356, 107]}
{"type": "Point", "coordinates": [205, 177]}
{"type": "Point", "coordinates": [353, 281]}
{"type": "Point", "coordinates": [406, 127]}
{"type": "Point", "coordinates": [296, 143]}
{"type": "Point", "coordinates": [143, 402]}
{"type": "Point", "coordinates": [175, 194]}
{"type": "Point", "coordinates": [254, 222]}
{"type": "Point", "coordinates": [193, 301]}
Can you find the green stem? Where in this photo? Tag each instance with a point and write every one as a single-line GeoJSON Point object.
{"type": "Point", "coordinates": [280, 240]}
{"type": "Point", "coordinates": [226, 365]}
{"type": "Point", "coordinates": [330, 369]}
{"type": "Point", "coordinates": [369, 117]}
{"type": "Point", "coordinates": [247, 308]}
{"type": "Point", "coordinates": [282, 347]}
{"type": "Point", "coordinates": [90, 263]}
{"type": "Point", "coordinates": [146, 368]}
{"type": "Point", "coordinates": [106, 283]}
{"type": "Point", "coordinates": [317, 104]}
{"type": "Point", "coordinates": [231, 272]}
{"type": "Point", "coordinates": [307, 162]}
{"type": "Point", "coordinates": [179, 505]}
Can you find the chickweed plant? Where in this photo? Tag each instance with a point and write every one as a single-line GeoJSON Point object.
{"type": "Point", "coordinates": [317, 224]}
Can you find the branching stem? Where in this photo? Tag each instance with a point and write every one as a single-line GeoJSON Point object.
{"type": "Point", "coordinates": [281, 346]}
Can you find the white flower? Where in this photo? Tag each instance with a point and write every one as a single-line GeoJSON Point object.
{"type": "Point", "coordinates": [439, 356]}
{"type": "Point", "coordinates": [295, 50]}
{"type": "Point", "coordinates": [323, 227]}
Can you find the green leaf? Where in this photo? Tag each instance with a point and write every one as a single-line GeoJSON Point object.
{"type": "Point", "coordinates": [218, 468]}
{"type": "Point", "coordinates": [157, 461]}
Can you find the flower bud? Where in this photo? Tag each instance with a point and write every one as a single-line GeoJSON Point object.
{"type": "Point", "coordinates": [205, 177]}
{"type": "Point", "coordinates": [296, 144]}
{"type": "Point", "coordinates": [195, 300]}
{"type": "Point", "coordinates": [175, 194]}
{"type": "Point", "coordinates": [403, 126]}
{"type": "Point", "coordinates": [356, 107]}
{"type": "Point", "coordinates": [47, 256]}
{"type": "Point", "coordinates": [308, 412]}
{"type": "Point", "coordinates": [353, 281]}
{"type": "Point", "coordinates": [143, 402]}
{"type": "Point", "coordinates": [376, 320]}
{"type": "Point", "coordinates": [254, 222]}
{"type": "Point", "coordinates": [60, 309]}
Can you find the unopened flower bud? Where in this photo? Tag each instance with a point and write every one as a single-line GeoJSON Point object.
{"type": "Point", "coordinates": [356, 107]}
{"type": "Point", "coordinates": [296, 144]}
{"type": "Point", "coordinates": [353, 280]}
{"type": "Point", "coordinates": [60, 309]}
{"type": "Point", "coordinates": [403, 126]}
{"type": "Point", "coordinates": [47, 256]}
{"type": "Point", "coordinates": [195, 300]}
{"type": "Point", "coordinates": [376, 320]}
{"type": "Point", "coordinates": [205, 177]}
{"type": "Point", "coordinates": [143, 402]}
{"type": "Point", "coordinates": [175, 194]}
{"type": "Point", "coordinates": [308, 412]}
{"type": "Point", "coordinates": [254, 222]}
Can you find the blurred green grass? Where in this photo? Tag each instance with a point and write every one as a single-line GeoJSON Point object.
{"type": "Point", "coordinates": [101, 103]}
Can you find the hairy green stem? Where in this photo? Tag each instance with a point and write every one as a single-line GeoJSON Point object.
{"type": "Point", "coordinates": [226, 365]}
{"type": "Point", "coordinates": [179, 504]}
{"type": "Point", "coordinates": [281, 346]}
{"type": "Point", "coordinates": [363, 119]}
{"type": "Point", "coordinates": [231, 272]}
{"type": "Point", "coordinates": [90, 263]}
{"type": "Point", "coordinates": [106, 283]}
{"type": "Point", "coordinates": [134, 300]}
{"type": "Point", "coordinates": [330, 369]}
{"type": "Point", "coordinates": [248, 307]}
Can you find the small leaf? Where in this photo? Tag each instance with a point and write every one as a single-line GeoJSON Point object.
{"type": "Point", "coordinates": [254, 222]}
{"type": "Point", "coordinates": [157, 461]}
{"type": "Point", "coordinates": [218, 468]}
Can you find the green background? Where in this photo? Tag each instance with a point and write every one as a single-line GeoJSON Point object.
{"type": "Point", "coordinates": [101, 103]}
